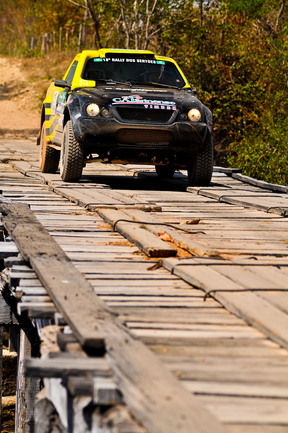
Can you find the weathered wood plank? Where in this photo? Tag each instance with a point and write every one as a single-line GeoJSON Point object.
{"type": "Point", "coordinates": [234, 389]}
{"type": "Point", "coordinates": [8, 249]}
{"type": "Point", "coordinates": [260, 183]}
{"type": "Point", "coordinates": [164, 394]}
{"type": "Point", "coordinates": [153, 226]}
{"type": "Point", "coordinates": [236, 297]}
{"type": "Point", "coordinates": [248, 410]}
{"type": "Point", "coordinates": [253, 428]}
{"type": "Point", "coordinates": [262, 201]}
{"type": "Point", "coordinates": [64, 367]}
{"type": "Point", "coordinates": [150, 244]}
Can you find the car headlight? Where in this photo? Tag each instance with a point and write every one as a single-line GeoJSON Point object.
{"type": "Point", "coordinates": [93, 109]}
{"type": "Point", "coordinates": [194, 115]}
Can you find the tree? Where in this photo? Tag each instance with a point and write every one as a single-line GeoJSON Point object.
{"type": "Point", "coordinates": [140, 21]}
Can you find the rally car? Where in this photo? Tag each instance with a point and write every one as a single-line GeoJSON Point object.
{"type": "Point", "coordinates": [125, 106]}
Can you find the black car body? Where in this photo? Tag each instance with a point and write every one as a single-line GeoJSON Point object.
{"type": "Point", "coordinates": [129, 107]}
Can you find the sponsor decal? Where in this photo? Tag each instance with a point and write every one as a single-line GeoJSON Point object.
{"type": "Point", "coordinates": [145, 103]}
{"type": "Point", "coordinates": [54, 103]}
{"type": "Point", "coordinates": [127, 60]}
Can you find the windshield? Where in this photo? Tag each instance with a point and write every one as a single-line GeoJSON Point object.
{"type": "Point", "coordinates": [133, 71]}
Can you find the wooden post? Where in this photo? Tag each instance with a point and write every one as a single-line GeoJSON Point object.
{"type": "Point", "coordinates": [46, 416]}
{"type": "Point", "coordinates": [27, 388]}
{"type": "Point", "coordinates": [1, 375]}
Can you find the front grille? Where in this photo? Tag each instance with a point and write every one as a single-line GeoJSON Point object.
{"type": "Point", "coordinates": [133, 114]}
{"type": "Point", "coordinates": [142, 136]}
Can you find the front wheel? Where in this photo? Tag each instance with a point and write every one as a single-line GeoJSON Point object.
{"type": "Point", "coordinates": [48, 156]}
{"type": "Point", "coordinates": [72, 156]}
{"type": "Point", "coordinates": [201, 169]}
{"type": "Point", "coordinates": [165, 171]}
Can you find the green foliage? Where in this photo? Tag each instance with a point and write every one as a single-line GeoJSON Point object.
{"type": "Point", "coordinates": [252, 8]}
{"type": "Point", "coordinates": [263, 155]}
{"type": "Point", "coordinates": [236, 56]}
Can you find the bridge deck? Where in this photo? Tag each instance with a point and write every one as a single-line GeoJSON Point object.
{"type": "Point", "coordinates": [188, 330]}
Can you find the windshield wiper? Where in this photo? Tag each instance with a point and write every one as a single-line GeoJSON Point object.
{"type": "Point", "coordinates": [110, 81]}
{"type": "Point", "coordinates": [161, 85]}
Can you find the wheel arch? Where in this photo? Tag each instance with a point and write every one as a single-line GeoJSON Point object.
{"type": "Point", "coordinates": [42, 119]}
{"type": "Point", "coordinates": [67, 116]}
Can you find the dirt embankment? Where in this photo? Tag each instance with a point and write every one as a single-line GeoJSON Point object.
{"type": "Point", "coordinates": [18, 114]}
{"type": "Point", "coordinates": [23, 84]}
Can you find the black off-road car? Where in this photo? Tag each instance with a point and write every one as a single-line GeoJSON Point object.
{"type": "Point", "coordinates": [125, 106]}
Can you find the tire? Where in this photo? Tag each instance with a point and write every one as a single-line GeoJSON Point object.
{"type": "Point", "coordinates": [201, 169]}
{"type": "Point", "coordinates": [165, 171]}
{"type": "Point", "coordinates": [48, 156]}
{"type": "Point", "coordinates": [72, 156]}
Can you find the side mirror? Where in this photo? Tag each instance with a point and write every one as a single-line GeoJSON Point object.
{"type": "Point", "coordinates": [61, 83]}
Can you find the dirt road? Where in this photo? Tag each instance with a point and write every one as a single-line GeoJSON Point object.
{"type": "Point", "coordinates": [19, 114]}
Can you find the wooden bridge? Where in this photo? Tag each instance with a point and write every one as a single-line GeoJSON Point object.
{"type": "Point", "coordinates": [138, 305]}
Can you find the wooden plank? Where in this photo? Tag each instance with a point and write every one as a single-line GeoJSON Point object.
{"type": "Point", "coordinates": [228, 171]}
{"type": "Point", "coordinates": [164, 393]}
{"type": "Point", "coordinates": [237, 389]}
{"type": "Point", "coordinates": [106, 392]}
{"type": "Point", "coordinates": [121, 267]}
{"type": "Point", "coordinates": [261, 201]}
{"type": "Point", "coordinates": [150, 304]}
{"type": "Point", "coordinates": [250, 350]}
{"type": "Point", "coordinates": [248, 410]}
{"type": "Point", "coordinates": [206, 342]}
{"type": "Point", "coordinates": [65, 367]}
{"type": "Point", "coordinates": [253, 428]}
{"type": "Point", "coordinates": [34, 290]}
{"type": "Point", "coordinates": [260, 183]}
{"type": "Point", "coordinates": [251, 280]}
{"type": "Point", "coordinates": [233, 372]}
{"type": "Point", "coordinates": [39, 309]}
{"type": "Point", "coordinates": [180, 240]}
{"type": "Point", "coordinates": [153, 394]}
{"type": "Point", "coordinates": [8, 249]}
{"type": "Point", "coordinates": [150, 244]}
{"type": "Point", "coordinates": [278, 299]}
{"type": "Point", "coordinates": [216, 316]}
{"type": "Point", "coordinates": [236, 298]}
{"type": "Point", "coordinates": [93, 199]}
{"type": "Point", "coordinates": [187, 334]}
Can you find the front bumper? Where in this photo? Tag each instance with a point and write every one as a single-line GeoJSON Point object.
{"type": "Point", "coordinates": [98, 134]}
